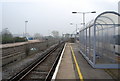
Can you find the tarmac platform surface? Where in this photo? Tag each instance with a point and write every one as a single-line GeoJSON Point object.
{"type": "Point", "coordinates": [74, 66]}
{"type": "Point", "coordinates": [66, 69]}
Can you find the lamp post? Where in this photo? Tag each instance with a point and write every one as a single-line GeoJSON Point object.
{"type": "Point", "coordinates": [83, 15]}
{"type": "Point", "coordinates": [75, 25]}
{"type": "Point", "coordinates": [26, 29]}
{"type": "Point", "coordinates": [6, 31]}
{"type": "Point", "coordinates": [27, 49]}
{"type": "Point", "coordinates": [75, 30]}
{"type": "Point", "coordinates": [85, 38]}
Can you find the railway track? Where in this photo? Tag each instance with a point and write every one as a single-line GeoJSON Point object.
{"type": "Point", "coordinates": [43, 68]}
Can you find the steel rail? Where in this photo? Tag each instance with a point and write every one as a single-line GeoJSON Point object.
{"type": "Point", "coordinates": [19, 76]}
{"type": "Point", "coordinates": [50, 74]}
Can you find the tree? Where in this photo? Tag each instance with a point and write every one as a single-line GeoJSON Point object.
{"type": "Point", "coordinates": [6, 32]}
{"type": "Point", "coordinates": [55, 34]}
{"type": "Point", "coordinates": [37, 36]}
{"type": "Point", "coordinates": [7, 36]}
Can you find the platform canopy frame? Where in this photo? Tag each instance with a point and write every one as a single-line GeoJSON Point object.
{"type": "Point", "coordinates": [100, 41]}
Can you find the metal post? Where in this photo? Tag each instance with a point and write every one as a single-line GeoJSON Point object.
{"type": "Point", "coordinates": [85, 31]}
{"type": "Point", "coordinates": [26, 28]}
{"type": "Point", "coordinates": [76, 33]}
{"type": "Point", "coordinates": [76, 28]}
{"type": "Point", "coordinates": [94, 46]}
{"type": "Point", "coordinates": [84, 19]}
{"type": "Point", "coordinates": [26, 51]}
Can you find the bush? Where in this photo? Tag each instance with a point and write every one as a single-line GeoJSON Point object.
{"type": "Point", "coordinates": [6, 40]}
{"type": "Point", "coordinates": [7, 37]}
{"type": "Point", "coordinates": [19, 39]}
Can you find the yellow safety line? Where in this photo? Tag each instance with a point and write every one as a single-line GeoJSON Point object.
{"type": "Point", "coordinates": [77, 66]}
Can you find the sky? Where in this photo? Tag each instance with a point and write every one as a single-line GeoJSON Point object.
{"type": "Point", "coordinates": [44, 16]}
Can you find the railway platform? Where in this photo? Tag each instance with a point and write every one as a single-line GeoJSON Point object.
{"type": "Point", "coordinates": [72, 65]}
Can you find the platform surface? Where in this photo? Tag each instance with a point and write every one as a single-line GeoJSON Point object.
{"type": "Point", "coordinates": [87, 71]}
{"type": "Point", "coordinates": [68, 69]}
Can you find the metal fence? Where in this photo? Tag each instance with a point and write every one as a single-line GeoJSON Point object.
{"type": "Point", "coordinates": [100, 41]}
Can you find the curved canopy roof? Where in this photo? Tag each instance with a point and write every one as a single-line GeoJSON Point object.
{"type": "Point", "coordinates": [104, 20]}
{"type": "Point", "coordinates": [107, 18]}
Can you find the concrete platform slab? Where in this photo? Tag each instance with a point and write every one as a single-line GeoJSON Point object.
{"type": "Point", "coordinates": [75, 68]}
{"type": "Point", "coordinates": [66, 69]}
{"type": "Point", "coordinates": [87, 71]}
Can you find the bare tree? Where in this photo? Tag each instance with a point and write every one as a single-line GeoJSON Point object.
{"type": "Point", "coordinates": [55, 34]}
{"type": "Point", "coordinates": [37, 36]}
{"type": "Point", "coordinates": [6, 31]}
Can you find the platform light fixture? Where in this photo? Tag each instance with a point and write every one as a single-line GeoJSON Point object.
{"type": "Point", "coordinates": [84, 15]}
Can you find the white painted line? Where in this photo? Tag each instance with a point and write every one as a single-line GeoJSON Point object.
{"type": "Point", "coordinates": [57, 67]}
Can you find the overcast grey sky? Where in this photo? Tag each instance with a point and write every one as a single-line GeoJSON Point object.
{"type": "Point", "coordinates": [45, 16]}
